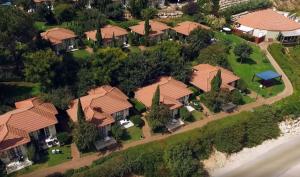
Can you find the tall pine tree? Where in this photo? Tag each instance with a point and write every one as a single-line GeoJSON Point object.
{"type": "Point", "coordinates": [114, 41]}
{"type": "Point", "coordinates": [80, 113]}
{"type": "Point", "coordinates": [147, 30]}
{"type": "Point", "coordinates": [156, 98]}
{"type": "Point", "coordinates": [216, 82]}
{"type": "Point", "coordinates": [99, 38]}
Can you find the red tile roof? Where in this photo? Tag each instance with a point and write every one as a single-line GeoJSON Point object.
{"type": "Point", "coordinates": [30, 115]}
{"type": "Point", "coordinates": [187, 27]}
{"type": "Point", "coordinates": [204, 73]}
{"type": "Point", "coordinates": [170, 91]}
{"type": "Point", "coordinates": [100, 104]}
{"type": "Point", "coordinates": [107, 32]}
{"type": "Point", "coordinates": [58, 35]}
{"type": "Point", "coordinates": [268, 20]}
{"type": "Point", "coordinates": [156, 28]}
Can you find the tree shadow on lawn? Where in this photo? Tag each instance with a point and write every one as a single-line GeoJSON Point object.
{"type": "Point", "coordinates": [249, 61]}
{"type": "Point", "coordinates": [270, 83]}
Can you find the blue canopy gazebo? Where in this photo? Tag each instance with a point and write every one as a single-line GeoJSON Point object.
{"type": "Point", "coordinates": [267, 76]}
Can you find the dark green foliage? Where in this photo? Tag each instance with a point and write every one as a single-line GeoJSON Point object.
{"type": "Point", "coordinates": [242, 86]}
{"type": "Point", "coordinates": [231, 138]}
{"type": "Point", "coordinates": [156, 99]}
{"type": "Point", "coordinates": [197, 40]}
{"type": "Point", "coordinates": [140, 107]}
{"type": "Point", "coordinates": [99, 41]}
{"type": "Point", "coordinates": [243, 51]}
{"type": "Point", "coordinates": [137, 121]}
{"type": "Point", "coordinates": [191, 8]}
{"type": "Point", "coordinates": [84, 135]}
{"type": "Point", "coordinates": [41, 71]}
{"type": "Point", "coordinates": [89, 19]}
{"type": "Point", "coordinates": [32, 152]}
{"type": "Point", "coordinates": [60, 97]}
{"type": "Point", "coordinates": [216, 82]}
{"type": "Point", "coordinates": [181, 161]}
{"type": "Point", "coordinates": [262, 126]}
{"type": "Point", "coordinates": [114, 11]}
{"type": "Point", "coordinates": [117, 132]}
{"type": "Point", "coordinates": [64, 138]}
{"type": "Point", "coordinates": [64, 12]}
{"type": "Point", "coordinates": [147, 29]}
{"type": "Point", "coordinates": [185, 114]}
{"type": "Point", "coordinates": [215, 54]}
{"type": "Point", "coordinates": [236, 97]}
{"type": "Point", "coordinates": [80, 113]}
{"type": "Point", "coordinates": [136, 7]}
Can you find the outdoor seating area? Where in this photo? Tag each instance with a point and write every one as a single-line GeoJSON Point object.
{"type": "Point", "coordinates": [126, 123]}
{"type": "Point", "coordinates": [174, 124]}
{"type": "Point", "coordinates": [17, 165]}
{"type": "Point", "coordinates": [229, 107]}
{"type": "Point", "coordinates": [105, 143]}
{"type": "Point", "coordinates": [267, 78]}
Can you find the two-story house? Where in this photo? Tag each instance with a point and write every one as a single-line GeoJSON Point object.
{"type": "Point", "coordinates": [108, 33]}
{"type": "Point", "coordinates": [103, 106]}
{"type": "Point", "coordinates": [157, 29]}
{"type": "Point", "coordinates": [173, 93]}
{"type": "Point", "coordinates": [61, 39]}
{"type": "Point", "coordinates": [32, 120]}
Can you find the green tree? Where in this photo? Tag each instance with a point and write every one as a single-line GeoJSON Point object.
{"type": "Point", "coordinates": [198, 39]}
{"type": "Point", "coordinates": [216, 82]}
{"type": "Point", "coordinates": [243, 51]}
{"type": "Point", "coordinates": [215, 7]}
{"type": "Point", "coordinates": [114, 11]}
{"type": "Point", "coordinates": [99, 39]}
{"type": "Point", "coordinates": [147, 29]}
{"type": "Point", "coordinates": [114, 41]}
{"type": "Point", "coordinates": [60, 97]}
{"type": "Point", "coordinates": [214, 55]}
{"type": "Point", "coordinates": [64, 12]}
{"type": "Point", "coordinates": [40, 67]}
{"type": "Point", "coordinates": [80, 113]}
{"type": "Point", "coordinates": [156, 99]}
{"type": "Point", "coordinates": [117, 132]}
{"type": "Point", "coordinates": [136, 6]}
{"type": "Point", "coordinates": [85, 135]}
{"type": "Point", "coordinates": [185, 114]}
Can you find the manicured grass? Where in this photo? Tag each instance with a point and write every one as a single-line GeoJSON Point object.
{"type": "Point", "coordinates": [47, 160]}
{"type": "Point", "coordinates": [247, 70]}
{"type": "Point", "coordinates": [248, 99]}
{"type": "Point", "coordinates": [55, 159]}
{"type": "Point", "coordinates": [132, 134]}
{"type": "Point", "coordinates": [81, 54]}
{"type": "Point", "coordinates": [22, 89]}
{"type": "Point", "coordinates": [197, 115]}
{"type": "Point", "coordinates": [42, 26]}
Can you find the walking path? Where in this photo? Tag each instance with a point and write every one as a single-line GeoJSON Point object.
{"type": "Point", "coordinates": [87, 160]}
{"type": "Point", "coordinates": [75, 152]}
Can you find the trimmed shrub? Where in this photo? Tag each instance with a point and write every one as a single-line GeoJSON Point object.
{"type": "Point", "coordinates": [137, 121]}
{"type": "Point", "coordinates": [64, 138]}
{"type": "Point", "coordinates": [138, 105]}
{"type": "Point", "coordinates": [185, 114]}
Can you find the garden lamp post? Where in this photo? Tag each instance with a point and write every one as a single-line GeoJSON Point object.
{"type": "Point", "coordinates": [260, 87]}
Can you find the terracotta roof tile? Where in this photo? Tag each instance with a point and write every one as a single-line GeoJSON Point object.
{"type": "Point", "coordinates": [30, 115]}
{"type": "Point", "coordinates": [107, 32]}
{"type": "Point", "coordinates": [100, 104]}
{"type": "Point", "coordinates": [58, 35]}
{"type": "Point", "coordinates": [170, 91]}
{"type": "Point", "coordinates": [204, 73]}
{"type": "Point", "coordinates": [268, 20]}
{"type": "Point", "coordinates": [156, 28]}
{"type": "Point", "coordinates": [187, 27]}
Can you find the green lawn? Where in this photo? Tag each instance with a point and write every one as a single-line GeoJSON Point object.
{"type": "Point", "coordinates": [247, 99]}
{"type": "Point", "coordinates": [245, 71]}
{"type": "Point", "coordinates": [21, 89]}
{"type": "Point", "coordinates": [197, 115]}
{"type": "Point", "coordinates": [81, 54]}
{"type": "Point", "coordinates": [42, 26]}
{"type": "Point", "coordinates": [132, 134]}
{"type": "Point", "coordinates": [48, 160]}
